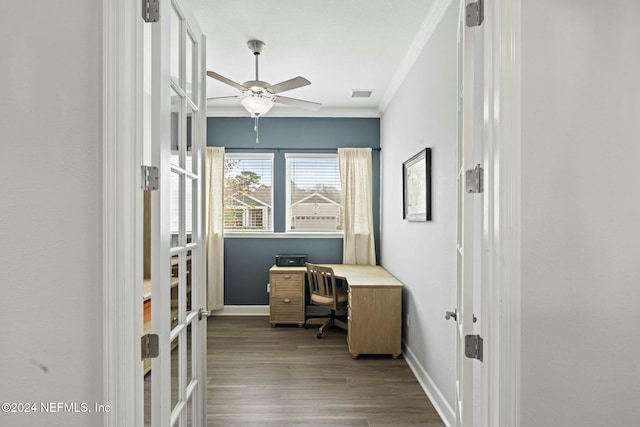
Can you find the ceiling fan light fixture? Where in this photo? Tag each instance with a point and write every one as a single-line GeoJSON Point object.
{"type": "Point", "coordinates": [257, 105]}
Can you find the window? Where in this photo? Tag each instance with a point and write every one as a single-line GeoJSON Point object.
{"type": "Point", "coordinates": [248, 192]}
{"type": "Point", "coordinates": [314, 193]}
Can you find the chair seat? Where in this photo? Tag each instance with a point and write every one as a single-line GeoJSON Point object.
{"type": "Point", "coordinates": [323, 300]}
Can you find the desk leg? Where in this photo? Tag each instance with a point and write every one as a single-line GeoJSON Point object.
{"type": "Point", "coordinates": [354, 355]}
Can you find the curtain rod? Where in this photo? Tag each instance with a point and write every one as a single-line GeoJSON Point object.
{"type": "Point", "coordinates": [278, 149]}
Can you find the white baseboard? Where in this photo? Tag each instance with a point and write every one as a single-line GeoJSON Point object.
{"type": "Point", "coordinates": [441, 405]}
{"type": "Point", "coordinates": [243, 310]}
{"type": "Point", "coordinates": [260, 310]}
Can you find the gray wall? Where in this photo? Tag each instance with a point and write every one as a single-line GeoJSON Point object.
{"type": "Point", "coordinates": [247, 260]}
{"type": "Point", "coordinates": [51, 209]}
{"type": "Point", "coordinates": [423, 254]}
{"type": "Point", "coordinates": [580, 213]}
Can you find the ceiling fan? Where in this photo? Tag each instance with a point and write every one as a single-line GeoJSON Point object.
{"type": "Point", "coordinates": [258, 96]}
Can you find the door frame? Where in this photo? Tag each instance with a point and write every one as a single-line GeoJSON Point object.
{"type": "Point", "coordinates": [501, 260]}
{"type": "Point", "coordinates": [501, 228]}
{"type": "Point", "coordinates": [122, 213]}
{"type": "Point", "coordinates": [467, 144]}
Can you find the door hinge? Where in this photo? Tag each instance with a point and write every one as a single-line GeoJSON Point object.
{"type": "Point", "coordinates": [473, 347]}
{"type": "Point", "coordinates": [474, 182]}
{"type": "Point", "coordinates": [149, 346]}
{"type": "Point", "coordinates": [149, 177]}
{"type": "Point", "coordinates": [151, 10]}
{"type": "Point", "coordinates": [475, 14]}
{"type": "Point", "coordinates": [203, 313]}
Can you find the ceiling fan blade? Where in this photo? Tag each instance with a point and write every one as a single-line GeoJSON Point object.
{"type": "Point", "coordinates": [215, 98]}
{"type": "Point", "coordinates": [226, 80]}
{"type": "Point", "coordinates": [293, 83]}
{"type": "Point", "coordinates": [292, 102]}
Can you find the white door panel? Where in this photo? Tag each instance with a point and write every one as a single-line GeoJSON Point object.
{"type": "Point", "coordinates": [469, 218]}
{"type": "Point", "coordinates": [177, 138]}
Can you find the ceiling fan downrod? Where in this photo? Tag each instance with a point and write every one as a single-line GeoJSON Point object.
{"type": "Point", "coordinates": [256, 47]}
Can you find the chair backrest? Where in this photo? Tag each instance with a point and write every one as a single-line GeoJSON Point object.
{"type": "Point", "coordinates": [321, 280]}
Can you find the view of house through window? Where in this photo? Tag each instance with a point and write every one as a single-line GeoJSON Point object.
{"type": "Point", "coordinates": [314, 193]}
{"type": "Point", "coordinates": [248, 192]}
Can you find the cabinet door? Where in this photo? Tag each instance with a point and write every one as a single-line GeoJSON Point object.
{"type": "Point", "coordinates": [375, 320]}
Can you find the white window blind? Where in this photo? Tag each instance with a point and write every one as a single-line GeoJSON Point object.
{"type": "Point", "coordinates": [314, 193]}
{"type": "Point", "coordinates": [248, 192]}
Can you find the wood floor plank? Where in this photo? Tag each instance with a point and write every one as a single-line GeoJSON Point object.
{"type": "Point", "coordinates": [285, 377]}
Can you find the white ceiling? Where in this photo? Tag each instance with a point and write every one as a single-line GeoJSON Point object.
{"type": "Point", "coordinates": [339, 45]}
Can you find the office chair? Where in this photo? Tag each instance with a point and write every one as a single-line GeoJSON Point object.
{"type": "Point", "coordinates": [324, 292]}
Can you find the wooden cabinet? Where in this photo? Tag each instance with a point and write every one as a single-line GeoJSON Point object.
{"type": "Point", "coordinates": [374, 312]}
{"type": "Point", "coordinates": [374, 320]}
{"type": "Point", "coordinates": [286, 296]}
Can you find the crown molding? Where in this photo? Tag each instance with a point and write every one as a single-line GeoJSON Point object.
{"type": "Point", "coordinates": [294, 112]}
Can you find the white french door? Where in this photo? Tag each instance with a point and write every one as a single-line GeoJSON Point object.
{"type": "Point", "coordinates": [175, 112]}
{"type": "Point", "coordinates": [469, 222]}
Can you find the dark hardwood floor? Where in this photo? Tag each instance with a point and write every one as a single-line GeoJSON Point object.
{"type": "Point", "coordinates": [286, 377]}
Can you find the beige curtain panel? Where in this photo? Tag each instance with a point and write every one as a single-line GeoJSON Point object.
{"type": "Point", "coordinates": [215, 227]}
{"type": "Point", "coordinates": [356, 176]}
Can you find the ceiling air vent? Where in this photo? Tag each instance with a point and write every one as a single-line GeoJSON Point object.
{"type": "Point", "coordinates": [356, 93]}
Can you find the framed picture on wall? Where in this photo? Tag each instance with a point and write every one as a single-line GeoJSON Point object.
{"type": "Point", "coordinates": [416, 183]}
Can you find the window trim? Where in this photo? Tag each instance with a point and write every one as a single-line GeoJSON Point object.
{"type": "Point", "coordinates": [283, 235]}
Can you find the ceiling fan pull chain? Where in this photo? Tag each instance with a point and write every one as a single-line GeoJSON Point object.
{"type": "Point", "coordinates": [255, 128]}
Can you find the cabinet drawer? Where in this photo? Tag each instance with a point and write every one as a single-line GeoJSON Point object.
{"type": "Point", "coordinates": [287, 310]}
{"type": "Point", "coordinates": [291, 284]}
{"type": "Point", "coordinates": [286, 305]}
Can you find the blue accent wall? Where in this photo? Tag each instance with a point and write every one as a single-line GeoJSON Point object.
{"type": "Point", "coordinates": [247, 260]}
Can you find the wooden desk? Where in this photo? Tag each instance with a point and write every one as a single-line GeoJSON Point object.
{"type": "Point", "coordinates": [374, 313]}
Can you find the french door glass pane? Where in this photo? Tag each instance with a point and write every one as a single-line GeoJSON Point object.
{"type": "Point", "coordinates": [176, 278]}
{"type": "Point", "coordinates": [190, 138]}
{"type": "Point", "coordinates": [175, 45]}
{"type": "Point", "coordinates": [188, 277]}
{"type": "Point", "coordinates": [190, 412]}
{"type": "Point", "coordinates": [190, 342]}
{"type": "Point", "coordinates": [175, 128]}
{"type": "Point", "coordinates": [147, 399]}
{"type": "Point", "coordinates": [174, 208]}
{"type": "Point", "coordinates": [190, 67]}
{"type": "Point", "coordinates": [175, 372]}
{"type": "Point", "coordinates": [189, 208]}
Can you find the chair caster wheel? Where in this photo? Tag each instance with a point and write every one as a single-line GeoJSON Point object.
{"type": "Point", "coordinates": [306, 326]}
{"type": "Point", "coordinates": [319, 336]}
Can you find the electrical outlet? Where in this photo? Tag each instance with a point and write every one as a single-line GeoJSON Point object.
{"type": "Point", "coordinates": [268, 287]}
